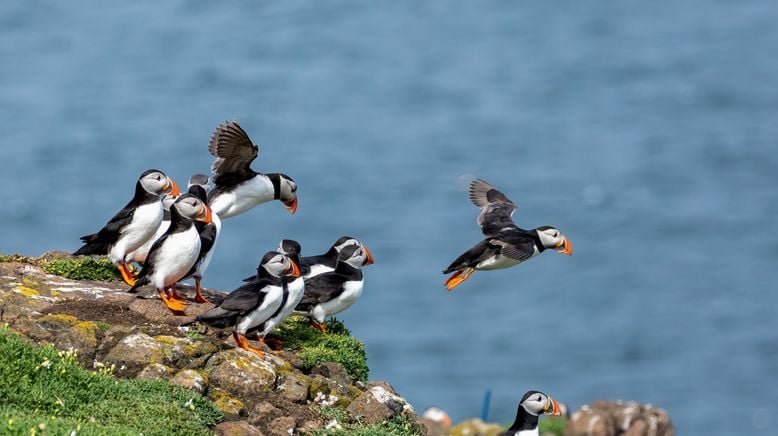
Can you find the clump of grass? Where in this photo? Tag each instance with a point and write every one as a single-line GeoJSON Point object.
{"type": "Point", "coordinates": [42, 389]}
{"type": "Point", "coordinates": [315, 347]}
{"type": "Point", "coordinates": [396, 426]}
{"type": "Point", "coordinates": [83, 268]}
{"type": "Point", "coordinates": [555, 425]}
{"type": "Point", "coordinates": [14, 258]}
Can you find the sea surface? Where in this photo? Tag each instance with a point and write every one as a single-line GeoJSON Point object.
{"type": "Point", "coordinates": [647, 132]}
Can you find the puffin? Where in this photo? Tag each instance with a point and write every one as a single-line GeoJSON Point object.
{"type": "Point", "coordinates": [314, 265]}
{"type": "Point", "coordinates": [505, 244]}
{"type": "Point", "coordinates": [132, 226]}
{"type": "Point", "coordinates": [532, 405]}
{"type": "Point", "coordinates": [176, 252]}
{"type": "Point", "coordinates": [236, 187]}
{"type": "Point", "coordinates": [209, 234]}
{"type": "Point", "coordinates": [250, 306]}
{"type": "Point", "coordinates": [335, 291]}
{"type": "Point", "coordinates": [293, 288]}
{"type": "Point", "coordinates": [139, 256]}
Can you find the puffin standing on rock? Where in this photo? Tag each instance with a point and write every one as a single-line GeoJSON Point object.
{"type": "Point", "coordinates": [506, 244]}
{"type": "Point", "coordinates": [209, 233]}
{"type": "Point", "coordinates": [532, 404]}
{"type": "Point", "coordinates": [132, 226]}
{"type": "Point", "coordinates": [250, 306]}
{"type": "Point", "coordinates": [175, 253]}
{"type": "Point", "coordinates": [238, 188]}
{"type": "Point", "coordinates": [335, 291]}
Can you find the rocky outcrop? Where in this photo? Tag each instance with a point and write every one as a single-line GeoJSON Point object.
{"type": "Point", "coordinates": [113, 331]}
{"type": "Point", "coordinates": [614, 418]}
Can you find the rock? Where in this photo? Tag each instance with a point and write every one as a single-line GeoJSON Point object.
{"type": "Point", "coordinates": [192, 380]}
{"type": "Point", "coordinates": [179, 352]}
{"type": "Point", "coordinates": [55, 322]}
{"type": "Point", "coordinates": [333, 371]}
{"type": "Point", "coordinates": [82, 339]}
{"type": "Point", "coordinates": [236, 428]}
{"type": "Point", "coordinates": [263, 412]}
{"type": "Point", "coordinates": [309, 427]}
{"type": "Point", "coordinates": [155, 371]}
{"type": "Point", "coordinates": [473, 427]}
{"type": "Point", "coordinates": [133, 353]}
{"type": "Point", "coordinates": [232, 407]}
{"type": "Point", "coordinates": [242, 374]}
{"type": "Point", "coordinates": [294, 387]}
{"type": "Point", "coordinates": [283, 426]}
{"type": "Point", "coordinates": [610, 418]}
{"type": "Point", "coordinates": [318, 385]}
{"type": "Point", "coordinates": [378, 404]}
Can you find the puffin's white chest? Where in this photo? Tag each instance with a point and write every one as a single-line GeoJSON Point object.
{"type": "Point", "coordinates": [142, 252]}
{"type": "Point", "coordinates": [318, 269]}
{"type": "Point", "coordinates": [533, 432]}
{"type": "Point", "coordinates": [145, 222]}
{"type": "Point", "coordinates": [271, 303]}
{"type": "Point", "coordinates": [500, 261]}
{"type": "Point", "coordinates": [352, 290]}
{"type": "Point", "coordinates": [242, 197]}
{"type": "Point", "coordinates": [175, 257]}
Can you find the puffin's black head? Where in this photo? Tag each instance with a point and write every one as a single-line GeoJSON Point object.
{"type": "Point", "coordinates": [553, 238]}
{"type": "Point", "coordinates": [277, 264]}
{"type": "Point", "coordinates": [536, 403]}
{"type": "Point", "coordinates": [191, 207]}
{"type": "Point", "coordinates": [347, 241]}
{"type": "Point", "coordinates": [355, 255]}
{"type": "Point", "coordinates": [198, 191]}
{"type": "Point", "coordinates": [285, 190]}
{"type": "Point", "coordinates": [157, 183]}
{"type": "Point", "coordinates": [289, 246]}
{"type": "Point", "coordinates": [199, 179]}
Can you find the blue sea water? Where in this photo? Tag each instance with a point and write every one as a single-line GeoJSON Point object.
{"type": "Point", "coordinates": [644, 131]}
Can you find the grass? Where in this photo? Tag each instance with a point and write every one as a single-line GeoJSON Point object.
{"type": "Point", "coordinates": [77, 268]}
{"type": "Point", "coordinates": [43, 391]}
{"type": "Point", "coordinates": [555, 425]}
{"type": "Point", "coordinates": [315, 347]}
{"type": "Point", "coordinates": [397, 426]}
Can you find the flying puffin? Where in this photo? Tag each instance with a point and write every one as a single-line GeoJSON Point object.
{"type": "Point", "coordinates": [506, 244]}
{"type": "Point", "coordinates": [314, 265]}
{"type": "Point", "coordinates": [293, 292]}
{"type": "Point", "coordinates": [250, 306]}
{"type": "Point", "coordinates": [132, 226]}
{"type": "Point", "coordinates": [174, 254]}
{"type": "Point", "coordinates": [335, 291]}
{"type": "Point", "coordinates": [238, 188]}
{"type": "Point", "coordinates": [532, 404]}
{"type": "Point", "coordinates": [209, 234]}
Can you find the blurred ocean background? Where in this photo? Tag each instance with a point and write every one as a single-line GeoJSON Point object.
{"type": "Point", "coordinates": [647, 132]}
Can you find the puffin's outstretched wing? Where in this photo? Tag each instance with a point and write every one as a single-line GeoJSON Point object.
{"type": "Point", "coordinates": [234, 152]}
{"type": "Point", "coordinates": [496, 208]}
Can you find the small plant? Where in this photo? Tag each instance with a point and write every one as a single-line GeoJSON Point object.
{"type": "Point", "coordinates": [555, 425]}
{"type": "Point", "coordinates": [86, 268]}
{"type": "Point", "coordinates": [315, 347]}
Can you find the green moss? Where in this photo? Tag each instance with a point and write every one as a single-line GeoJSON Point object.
{"type": "Point", "coordinates": [555, 425]}
{"type": "Point", "coordinates": [15, 258]}
{"type": "Point", "coordinates": [315, 347]}
{"type": "Point", "coordinates": [42, 386]}
{"type": "Point", "coordinates": [83, 268]}
{"type": "Point", "coordinates": [397, 426]}
{"type": "Point", "coordinates": [103, 326]}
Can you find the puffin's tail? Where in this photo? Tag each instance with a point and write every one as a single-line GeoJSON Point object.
{"type": "Point", "coordinates": [92, 245]}
{"type": "Point", "coordinates": [219, 318]}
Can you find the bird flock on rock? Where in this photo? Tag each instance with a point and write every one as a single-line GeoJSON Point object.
{"type": "Point", "coordinates": [172, 237]}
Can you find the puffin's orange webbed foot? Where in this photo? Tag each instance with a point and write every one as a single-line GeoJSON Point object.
{"type": "Point", "coordinates": [126, 274]}
{"type": "Point", "coordinates": [244, 344]}
{"type": "Point", "coordinates": [176, 306]}
{"type": "Point", "coordinates": [199, 297]}
{"type": "Point", "coordinates": [458, 277]}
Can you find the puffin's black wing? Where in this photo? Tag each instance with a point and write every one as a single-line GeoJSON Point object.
{"type": "Point", "coordinates": [515, 245]}
{"type": "Point", "coordinates": [207, 233]}
{"type": "Point", "coordinates": [234, 152]}
{"type": "Point", "coordinates": [97, 243]}
{"type": "Point", "coordinates": [246, 297]}
{"type": "Point", "coordinates": [496, 209]}
{"type": "Point", "coordinates": [321, 289]}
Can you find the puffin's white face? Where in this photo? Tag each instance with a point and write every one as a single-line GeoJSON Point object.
{"type": "Point", "coordinates": [280, 264]}
{"type": "Point", "coordinates": [346, 243]}
{"type": "Point", "coordinates": [156, 182]}
{"type": "Point", "coordinates": [288, 193]}
{"type": "Point", "coordinates": [193, 208]}
{"type": "Point", "coordinates": [167, 201]}
{"type": "Point", "coordinates": [538, 403]}
{"type": "Point", "coordinates": [357, 256]}
{"type": "Point", "coordinates": [553, 238]}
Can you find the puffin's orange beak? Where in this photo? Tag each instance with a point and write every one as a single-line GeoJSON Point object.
{"type": "Point", "coordinates": [295, 269]}
{"type": "Point", "coordinates": [566, 247]}
{"type": "Point", "coordinates": [206, 215]}
{"type": "Point", "coordinates": [291, 206]}
{"type": "Point", "coordinates": [173, 188]}
{"type": "Point", "coordinates": [557, 410]}
{"type": "Point", "coordinates": [368, 257]}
